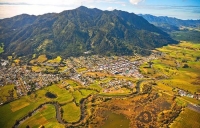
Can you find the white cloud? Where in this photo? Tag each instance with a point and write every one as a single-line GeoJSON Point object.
{"type": "Point", "coordinates": [9, 8]}
{"type": "Point", "coordinates": [56, 2]}
{"type": "Point", "coordinates": [12, 10]}
{"type": "Point", "coordinates": [135, 2]}
{"type": "Point", "coordinates": [110, 8]}
{"type": "Point", "coordinates": [92, 6]}
{"type": "Point", "coordinates": [44, 2]}
{"type": "Point", "coordinates": [124, 5]}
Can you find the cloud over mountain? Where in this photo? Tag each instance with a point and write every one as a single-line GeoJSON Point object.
{"type": "Point", "coordinates": [135, 2]}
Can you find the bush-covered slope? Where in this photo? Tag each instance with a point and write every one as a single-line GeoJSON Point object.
{"type": "Point", "coordinates": [73, 32]}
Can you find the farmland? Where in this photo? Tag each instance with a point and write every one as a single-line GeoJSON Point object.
{"type": "Point", "coordinates": [8, 93]}
{"type": "Point", "coordinates": [71, 112]}
{"type": "Point", "coordinates": [46, 117]}
{"type": "Point", "coordinates": [187, 118]}
{"type": "Point", "coordinates": [92, 91]}
{"type": "Point", "coordinates": [170, 68]}
{"type": "Point", "coordinates": [19, 108]}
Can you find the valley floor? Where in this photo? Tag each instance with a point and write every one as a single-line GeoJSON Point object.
{"type": "Point", "coordinates": [160, 90]}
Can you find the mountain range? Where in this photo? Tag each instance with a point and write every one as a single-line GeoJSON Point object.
{"type": "Point", "coordinates": [79, 31]}
{"type": "Point", "coordinates": [169, 23]}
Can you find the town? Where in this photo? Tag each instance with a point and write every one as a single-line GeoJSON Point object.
{"type": "Point", "coordinates": [26, 80]}
{"type": "Point", "coordinates": [83, 70]}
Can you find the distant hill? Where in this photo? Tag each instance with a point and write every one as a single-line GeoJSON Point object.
{"type": "Point", "coordinates": [74, 32]}
{"type": "Point", "coordinates": [171, 21]}
{"type": "Point", "coordinates": [187, 30]}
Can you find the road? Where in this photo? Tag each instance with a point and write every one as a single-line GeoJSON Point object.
{"type": "Point", "coordinates": [194, 107]}
{"type": "Point", "coordinates": [190, 105]}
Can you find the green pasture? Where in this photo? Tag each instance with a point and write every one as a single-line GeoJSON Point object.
{"type": "Point", "coordinates": [63, 95]}
{"type": "Point", "coordinates": [4, 93]}
{"type": "Point", "coordinates": [192, 100]}
{"type": "Point", "coordinates": [170, 67]}
{"type": "Point", "coordinates": [19, 108]}
{"type": "Point", "coordinates": [81, 69]}
{"type": "Point", "coordinates": [77, 96]}
{"type": "Point", "coordinates": [40, 59]}
{"type": "Point", "coordinates": [55, 60]}
{"type": "Point", "coordinates": [72, 83]}
{"type": "Point", "coordinates": [45, 116]}
{"type": "Point", "coordinates": [96, 86]}
{"type": "Point", "coordinates": [71, 112]}
{"type": "Point", "coordinates": [86, 92]}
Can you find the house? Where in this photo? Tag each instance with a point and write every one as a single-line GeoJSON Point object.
{"type": "Point", "coordinates": [197, 96]}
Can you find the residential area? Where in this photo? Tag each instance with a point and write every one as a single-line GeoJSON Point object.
{"type": "Point", "coordinates": [26, 80]}
{"type": "Point", "coordinates": [83, 70]}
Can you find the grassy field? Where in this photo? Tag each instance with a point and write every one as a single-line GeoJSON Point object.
{"type": "Point", "coordinates": [56, 60]}
{"type": "Point", "coordinates": [71, 112]}
{"type": "Point", "coordinates": [19, 108]}
{"type": "Point", "coordinates": [17, 61]}
{"type": "Point", "coordinates": [187, 119]}
{"type": "Point", "coordinates": [4, 91]}
{"type": "Point", "coordinates": [37, 68]}
{"type": "Point", "coordinates": [113, 91]}
{"type": "Point", "coordinates": [63, 95]}
{"type": "Point", "coordinates": [170, 67]}
{"type": "Point", "coordinates": [46, 116]}
{"type": "Point", "coordinates": [77, 96]}
{"type": "Point", "coordinates": [195, 101]}
{"type": "Point", "coordinates": [72, 83]}
{"type": "Point", "coordinates": [96, 86]}
{"type": "Point", "coordinates": [85, 92]}
{"type": "Point", "coordinates": [81, 69]}
{"type": "Point", "coordinates": [40, 59]}
{"type": "Point", "coordinates": [81, 93]}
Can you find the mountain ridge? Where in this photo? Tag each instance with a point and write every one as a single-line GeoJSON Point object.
{"type": "Point", "coordinates": [73, 32]}
{"type": "Point", "coordinates": [171, 20]}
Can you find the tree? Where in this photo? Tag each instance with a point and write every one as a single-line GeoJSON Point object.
{"type": "Point", "coordinates": [29, 92]}
{"type": "Point", "coordinates": [150, 64]}
{"type": "Point", "coordinates": [198, 58]}
{"type": "Point", "coordinates": [185, 66]}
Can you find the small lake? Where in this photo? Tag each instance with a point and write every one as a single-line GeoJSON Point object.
{"type": "Point", "coordinates": [116, 121]}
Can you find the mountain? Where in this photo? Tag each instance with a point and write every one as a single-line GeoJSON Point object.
{"type": "Point", "coordinates": [187, 30]}
{"type": "Point", "coordinates": [169, 23]}
{"type": "Point", "coordinates": [73, 32]}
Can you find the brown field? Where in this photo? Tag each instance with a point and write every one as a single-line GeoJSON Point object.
{"type": "Point", "coordinates": [141, 111]}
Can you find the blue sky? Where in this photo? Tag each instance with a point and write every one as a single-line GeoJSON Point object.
{"type": "Point", "coordinates": [182, 9]}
